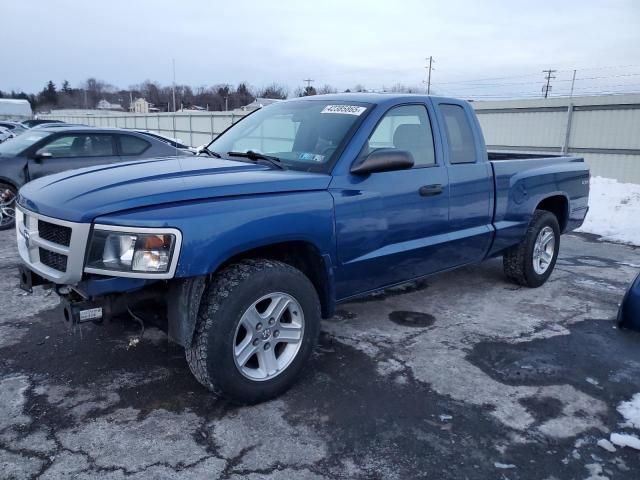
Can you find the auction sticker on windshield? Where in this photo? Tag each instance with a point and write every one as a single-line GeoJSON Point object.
{"type": "Point", "coordinates": [344, 109]}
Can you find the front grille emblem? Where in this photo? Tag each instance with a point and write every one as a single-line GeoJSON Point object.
{"type": "Point", "coordinates": [27, 237]}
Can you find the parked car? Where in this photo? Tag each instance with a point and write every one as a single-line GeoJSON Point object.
{"type": "Point", "coordinates": [302, 205]}
{"type": "Point", "coordinates": [41, 152]}
{"type": "Point", "coordinates": [174, 142]}
{"type": "Point", "coordinates": [15, 127]}
{"type": "Point", "coordinates": [57, 125]}
{"type": "Point", "coordinates": [5, 134]}
{"type": "Point", "coordinates": [629, 311]}
{"type": "Point", "coordinates": [32, 123]}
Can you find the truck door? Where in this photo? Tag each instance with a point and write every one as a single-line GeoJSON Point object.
{"type": "Point", "coordinates": [74, 150]}
{"type": "Point", "coordinates": [391, 226]}
{"type": "Point", "coordinates": [470, 184]}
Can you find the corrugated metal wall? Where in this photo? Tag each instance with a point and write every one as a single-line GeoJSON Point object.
{"type": "Point", "coordinates": [605, 130]}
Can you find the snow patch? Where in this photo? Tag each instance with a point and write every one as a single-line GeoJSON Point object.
{"type": "Point", "coordinates": [607, 445]}
{"type": "Point", "coordinates": [504, 466]}
{"type": "Point", "coordinates": [614, 208]}
{"type": "Point", "coordinates": [631, 411]}
{"type": "Point", "coordinates": [625, 440]}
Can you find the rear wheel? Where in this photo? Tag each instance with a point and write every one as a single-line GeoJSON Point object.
{"type": "Point", "coordinates": [257, 325]}
{"type": "Point", "coordinates": [531, 262]}
{"type": "Point", "coordinates": [8, 195]}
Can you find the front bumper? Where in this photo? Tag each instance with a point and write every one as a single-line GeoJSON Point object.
{"type": "Point", "coordinates": [54, 249]}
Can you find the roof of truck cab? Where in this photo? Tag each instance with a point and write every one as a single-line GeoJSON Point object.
{"type": "Point", "coordinates": [374, 98]}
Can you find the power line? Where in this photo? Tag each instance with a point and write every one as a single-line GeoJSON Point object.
{"type": "Point", "coordinates": [563, 80]}
{"type": "Point", "coordinates": [476, 80]}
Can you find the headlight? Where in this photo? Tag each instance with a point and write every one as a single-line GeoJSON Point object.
{"type": "Point", "coordinates": [135, 252]}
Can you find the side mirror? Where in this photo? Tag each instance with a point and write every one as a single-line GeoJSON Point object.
{"type": "Point", "coordinates": [42, 154]}
{"type": "Point", "coordinates": [384, 160]}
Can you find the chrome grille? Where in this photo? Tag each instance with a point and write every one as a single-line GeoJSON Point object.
{"type": "Point", "coordinates": [52, 248]}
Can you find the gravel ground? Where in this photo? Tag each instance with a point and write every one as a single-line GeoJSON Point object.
{"type": "Point", "coordinates": [461, 376]}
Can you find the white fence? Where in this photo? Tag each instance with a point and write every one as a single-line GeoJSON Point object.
{"type": "Point", "coordinates": [193, 129]}
{"type": "Point", "coordinates": [603, 129]}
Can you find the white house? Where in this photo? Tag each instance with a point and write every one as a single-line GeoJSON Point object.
{"type": "Point", "coordinates": [140, 105]}
{"type": "Point", "coordinates": [105, 105]}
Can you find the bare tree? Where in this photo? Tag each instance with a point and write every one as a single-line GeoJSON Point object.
{"type": "Point", "coordinates": [273, 91]}
{"type": "Point", "coordinates": [326, 88]}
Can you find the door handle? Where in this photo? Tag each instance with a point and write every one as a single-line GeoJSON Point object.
{"type": "Point", "coordinates": [430, 190]}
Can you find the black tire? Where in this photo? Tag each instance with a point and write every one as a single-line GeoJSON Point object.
{"type": "Point", "coordinates": [228, 296]}
{"type": "Point", "coordinates": [8, 195]}
{"type": "Point", "coordinates": [518, 260]}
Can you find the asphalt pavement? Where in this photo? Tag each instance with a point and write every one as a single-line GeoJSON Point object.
{"type": "Point", "coordinates": [463, 375]}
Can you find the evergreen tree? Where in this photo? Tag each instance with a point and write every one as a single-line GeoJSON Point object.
{"type": "Point", "coordinates": [50, 94]}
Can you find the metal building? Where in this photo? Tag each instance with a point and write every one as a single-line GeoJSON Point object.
{"type": "Point", "coordinates": [605, 130]}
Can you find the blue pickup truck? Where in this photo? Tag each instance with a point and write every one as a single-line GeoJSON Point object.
{"type": "Point", "coordinates": [297, 207]}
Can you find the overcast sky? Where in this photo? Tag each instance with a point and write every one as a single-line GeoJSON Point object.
{"type": "Point", "coordinates": [374, 43]}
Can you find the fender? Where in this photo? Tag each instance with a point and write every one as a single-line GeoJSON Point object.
{"type": "Point", "coordinates": [183, 303]}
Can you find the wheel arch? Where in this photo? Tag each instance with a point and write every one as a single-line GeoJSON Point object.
{"type": "Point", "coordinates": [302, 255]}
{"type": "Point", "coordinates": [9, 182]}
{"type": "Point", "coordinates": [558, 205]}
{"type": "Point", "coordinates": [185, 294]}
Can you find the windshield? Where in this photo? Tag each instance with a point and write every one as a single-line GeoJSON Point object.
{"type": "Point", "coordinates": [17, 145]}
{"type": "Point", "coordinates": [304, 134]}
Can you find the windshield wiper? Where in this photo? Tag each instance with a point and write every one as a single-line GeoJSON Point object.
{"type": "Point", "coordinates": [255, 156]}
{"type": "Point", "coordinates": [211, 153]}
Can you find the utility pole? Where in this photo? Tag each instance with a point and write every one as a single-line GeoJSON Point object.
{"type": "Point", "coordinates": [174, 84]}
{"type": "Point", "coordinates": [307, 90]}
{"type": "Point", "coordinates": [573, 82]}
{"type": "Point", "coordinates": [547, 88]}
{"type": "Point", "coordinates": [567, 132]}
{"type": "Point", "coordinates": [429, 68]}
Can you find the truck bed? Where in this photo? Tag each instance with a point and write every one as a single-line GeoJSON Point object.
{"type": "Point", "coordinates": [523, 180]}
{"type": "Point", "coordinates": [506, 155]}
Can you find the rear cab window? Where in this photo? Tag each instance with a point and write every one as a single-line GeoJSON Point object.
{"type": "Point", "coordinates": [459, 134]}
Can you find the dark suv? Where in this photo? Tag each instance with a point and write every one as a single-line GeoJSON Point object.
{"type": "Point", "coordinates": [41, 152]}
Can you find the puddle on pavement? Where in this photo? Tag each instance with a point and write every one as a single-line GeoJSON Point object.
{"type": "Point", "coordinates": [412, 319]}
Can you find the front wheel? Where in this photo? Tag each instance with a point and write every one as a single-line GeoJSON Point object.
{"type": "Point", "coordinates": [257, 325]}
{"type": "Point", "coordinates": [531, 262]}
{"type": "Point", "coordinates": [8, 195]}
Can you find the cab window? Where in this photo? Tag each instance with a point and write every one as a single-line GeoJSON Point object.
{"type": "Point", "coordinates": [459, 134]}
{"type": "Point", "coordinates": [406, 127]}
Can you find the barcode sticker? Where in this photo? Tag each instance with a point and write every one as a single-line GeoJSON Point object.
{"type": "Point", "coordinates": [344, 109]}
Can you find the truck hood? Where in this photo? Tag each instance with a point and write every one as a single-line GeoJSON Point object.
{"type": "Point", "coordinates": [84, 194]}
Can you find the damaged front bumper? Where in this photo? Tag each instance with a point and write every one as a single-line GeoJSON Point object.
{"type": "Point", "coordinates": [99, 299]}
